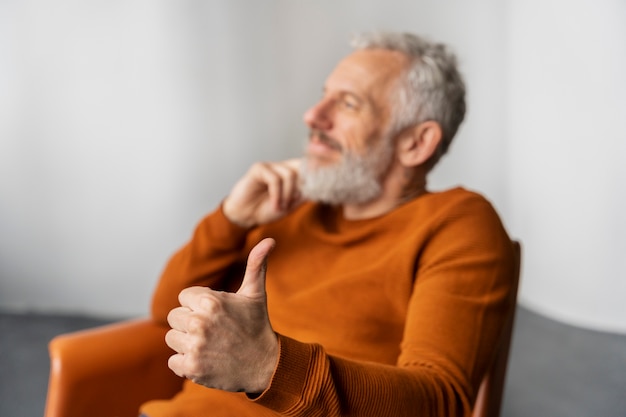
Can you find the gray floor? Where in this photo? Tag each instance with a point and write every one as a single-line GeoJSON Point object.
{"type": "Point", "coordinates": [555, 370]}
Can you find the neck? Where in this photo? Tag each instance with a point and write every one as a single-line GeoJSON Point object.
{"type": "Point", "coordinates": [367, 210]}
{"type": "Point", "coordinates": [397, 190]}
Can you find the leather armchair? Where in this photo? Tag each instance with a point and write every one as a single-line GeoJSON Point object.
{"type": "Point", "coordinates": [109, 371]}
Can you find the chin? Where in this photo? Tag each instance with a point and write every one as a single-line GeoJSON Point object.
{"type": "Point", "coordinates": [317, 161]}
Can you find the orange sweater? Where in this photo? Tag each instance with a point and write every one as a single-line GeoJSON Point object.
{"type": "Point", "coordinates": [392, 316]}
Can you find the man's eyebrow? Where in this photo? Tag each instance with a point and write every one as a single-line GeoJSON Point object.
{"type": "Point", "coordinates": [343, 92]}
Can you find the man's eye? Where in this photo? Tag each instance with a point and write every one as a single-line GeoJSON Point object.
{"type": "Point", "coordinates": [350, 104]}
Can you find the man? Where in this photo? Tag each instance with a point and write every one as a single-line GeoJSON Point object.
{"type": "Point", "coordinates": [380, 298]}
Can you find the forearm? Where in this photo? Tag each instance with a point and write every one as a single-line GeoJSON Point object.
{"type": "Point", "coordinates": [213, 255]}
{"type": "Point", "coordinates": [309, 382]}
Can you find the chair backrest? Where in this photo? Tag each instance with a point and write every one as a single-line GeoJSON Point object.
{"type": "Point", "coordinates": [489, 399]}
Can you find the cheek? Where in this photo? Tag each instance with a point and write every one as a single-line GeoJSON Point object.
{"type": "Point", "coordinates": [358, 136]}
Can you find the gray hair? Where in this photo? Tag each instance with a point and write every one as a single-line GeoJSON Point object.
{"type": "Point", "coordinates": [431, 89]}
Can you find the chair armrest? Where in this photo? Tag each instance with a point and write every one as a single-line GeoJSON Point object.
{"type": "Point", "coordinates": [109, 371]}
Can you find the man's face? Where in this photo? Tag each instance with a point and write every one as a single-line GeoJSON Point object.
{"type": "Point", "coordinates": [350, 148]}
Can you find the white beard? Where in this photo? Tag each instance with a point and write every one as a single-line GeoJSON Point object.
{"type": "Point", "coordinates": [355, 179]}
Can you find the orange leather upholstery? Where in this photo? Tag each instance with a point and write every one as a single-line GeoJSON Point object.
{"type": "Point", "coordinates": [489, 400]}
{"type": "Point", "coordinates": [109, 371]}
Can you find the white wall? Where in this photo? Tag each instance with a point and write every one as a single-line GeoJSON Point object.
{"type": "Point", "coordinates": [567, 144]}
{"type": "Point", "coordinates": [123, 122]}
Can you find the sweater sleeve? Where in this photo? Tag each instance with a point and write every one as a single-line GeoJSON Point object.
{"type": "Point", "coordinates": [212, 256]}
{"type": "Point", "coordinates": [309, 382]}
{"type": "Point", "coordinates": [456, 313]}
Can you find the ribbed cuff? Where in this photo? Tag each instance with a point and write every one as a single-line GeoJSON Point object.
{"type": "Point", "coordinates": [288, 383]}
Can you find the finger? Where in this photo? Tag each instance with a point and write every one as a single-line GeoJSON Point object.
{"type": "Point", "coordinates": [176, 340]}
{"type": "Point", "coordinates": [294, 163]}
{"type": "Point", "coordinates": [178, 317]}
{"type": "Point", "coordinates": [253, 285]}
{"type": "Point", "coordinates": [268, 176]}
{"type": "Point", "coordinates": [289, 190]}
{"type": "Point", "coordinates": [176, 364]}
{"type": "Point", "coordinates": [190, 297]}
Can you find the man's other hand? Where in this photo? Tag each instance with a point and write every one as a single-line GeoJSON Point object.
{"type": "Point", "coordinates": [267, 192]}
{"type": "Point", "coordinates": [225, 340]}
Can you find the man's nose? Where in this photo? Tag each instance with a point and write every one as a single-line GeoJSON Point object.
{"type": "Point", "coordinates": [320, 116]}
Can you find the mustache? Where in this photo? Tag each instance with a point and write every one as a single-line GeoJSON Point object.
{"type": "Point", "coordinates": [325, 139]}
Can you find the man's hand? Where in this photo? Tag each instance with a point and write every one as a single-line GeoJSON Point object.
{"type": "Point", "coordinates": [267, 192]}
{"type": "Point", "coordinates": [225, 340]}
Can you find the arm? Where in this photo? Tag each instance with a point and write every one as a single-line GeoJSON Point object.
{"type": "Point", "coordinates": [209, 259]}
{"type": "Point", "coordinates": [457, 311]}
{"type": "Point", "coordinates": [213, 257]}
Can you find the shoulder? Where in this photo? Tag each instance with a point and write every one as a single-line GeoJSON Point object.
{"type": "Point", "coordinates": [458, 217]}
{"type": "Point", "coordinates": [454, 197]}
{"type": "Point", "coordinates": [453, 204]}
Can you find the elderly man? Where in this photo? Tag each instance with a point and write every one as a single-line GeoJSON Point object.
{"type": "Point", "coordinates": [379, 298]}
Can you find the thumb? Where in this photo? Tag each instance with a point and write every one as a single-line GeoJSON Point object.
{"type": "Point", "coordinates": [253, 284]}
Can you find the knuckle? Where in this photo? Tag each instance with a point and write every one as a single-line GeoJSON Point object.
{"type": "Point", "coordinates": [210, 308]}
{"type": "Point", "coordinates": [210, 304]}
{"type": "Point", "coordinates": [196, 325]}
{"type": "Point", "coordinates": [260, 166]}
{"type": "Point", "coordinates": [195, 366]}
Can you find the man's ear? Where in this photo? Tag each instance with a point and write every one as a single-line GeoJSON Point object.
{"type": "Point", "coordinates": [417, 144]}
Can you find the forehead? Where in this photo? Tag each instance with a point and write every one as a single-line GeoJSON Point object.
{"type": "Point", "coordinates": [367, 71]}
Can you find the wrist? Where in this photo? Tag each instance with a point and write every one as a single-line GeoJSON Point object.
{"type": "Point", "coordinates": [267, 368]}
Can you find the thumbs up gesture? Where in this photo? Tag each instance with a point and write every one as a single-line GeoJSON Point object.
{"type": "Point", "coordinates": [225, 340]}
